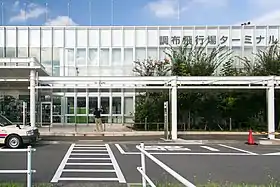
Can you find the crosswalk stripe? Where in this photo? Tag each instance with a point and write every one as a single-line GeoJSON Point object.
{"type": "Point", "coordinates": [83, 147]}
{"type": "Point", "coordinates": [90, 170]}
{"type": "Point", "coordinates": [87, 179]}
{"type": "Point", "coordinates": [89, 154]}
{"type": "Point", "coordinates": [86, 150]}
{"type": "Point", "coordinates": [89, 158]}
{"type": "Point", "coordinates": [209, 148]}
{"type": "Point", "coordinates": [89, 150]}
{"type": "Point", "coordinates": [89, 164]}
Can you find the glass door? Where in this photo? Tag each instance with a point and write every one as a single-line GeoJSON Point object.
{"type": "Point", "coordinates": [46, 113]}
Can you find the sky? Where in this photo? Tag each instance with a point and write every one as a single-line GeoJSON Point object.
{"type": "Point", "coordinates": [139, 12]}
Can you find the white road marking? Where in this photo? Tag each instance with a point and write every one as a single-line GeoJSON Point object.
{"type": "Point", "coordinates": [111, 161]}
{"type": "Point", "coordinates": [62, 164]}
{"type": "Point", "coordinates": [83, 147]}
{"type": "Point", "coordinates": [89, 159]}
{"type": "Point", "coordinates": [209, 148]}
{"type": "Point", "coordinates": [90, 145]}
{"type": "Point", "coordinates": [87, 179]}
{"type": "Point", "coordinates": [89, 154]}
{"type": "Point", "coordinates": [272, 154]}
{"type": "Point", "coordinates": [89, 164]}
{"type": "Point", "coordinates": [90, 140]}
{"type": "Point", "coordinates": [89, 150]}
{"type": "Point", "coordinates": [237, 149]}
{"type": "Point", "coordinates": [115, 165]}
{"type": "Point", "coordinates": [89, 170]}
{"type": "Point", "coordinates": [120, 148]}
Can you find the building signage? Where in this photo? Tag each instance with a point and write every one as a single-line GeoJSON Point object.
{"type": "Point", "coordinates": [213, 39]}
{"type": "Point", "coordinates": [166, 148]}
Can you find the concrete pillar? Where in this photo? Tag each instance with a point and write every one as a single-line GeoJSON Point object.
{"type": "Point", "coordinates": [32, 96]}
{"type": "Point", "coordinates": [174, 110]}
{"type": "Point", "coordinates": [270, 110]}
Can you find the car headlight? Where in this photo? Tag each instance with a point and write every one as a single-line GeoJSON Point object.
{"type": "Point", "coordinates": [30, 133]}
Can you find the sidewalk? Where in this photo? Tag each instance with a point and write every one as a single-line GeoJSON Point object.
{"type": "Point", "coordinates": [121, 130]}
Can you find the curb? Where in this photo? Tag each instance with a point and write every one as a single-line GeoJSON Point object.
{"type": "Point", "coordinates": [264, 141]}
{"type": "Point", "coordinates": [140, 133]}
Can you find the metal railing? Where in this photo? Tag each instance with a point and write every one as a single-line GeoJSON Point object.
{"type": "Point", "coordinates": [28, 171]}
{"type": "Point", "coordinates": [146, 179]}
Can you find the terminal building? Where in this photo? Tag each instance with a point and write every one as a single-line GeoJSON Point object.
{"type": "Point", "coordinates": [63, 53]}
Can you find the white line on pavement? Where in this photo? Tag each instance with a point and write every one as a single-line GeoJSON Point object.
{"type": "Point", "coordinates": [120, 148]}
{"type": "Point", "coordinates": [209, 148]}
{"type": "Point", "coordinates": [98, 150]}
{"type": "Point", "coordinates": [92, 147]}
{"type": "Point", "coordinates": [87, 179]}
{"type": "Point", "coordinates": [237, 149]}
{"type": "Point", "coordinates": [89, 164]}
{"type": "Point", "coordinates": [89, 170]}
{"type": "Point", "coordinates": [62, 164]}
{"type": "Point", "coordinates": [115, 165]}
{"type": "Point", "coordinates": [89, 154]}
{"type": "Point", "coordinates": [272, 154]}
{"type": "Point", "coordinates": [89, 158]}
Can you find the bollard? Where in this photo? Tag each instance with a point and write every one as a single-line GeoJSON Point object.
{"type": "Point", "coordinates": [144, 182]}
{"type": "Point", "coordinates": [29, 169]}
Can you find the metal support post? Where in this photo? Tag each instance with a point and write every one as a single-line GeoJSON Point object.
{"type": "Point", "coordinates": [29, 167]}
{"type": "Point", "coordinates": [166, 124]}
{"type": "Point", "coordinates": [143, 166]}
{"type": "Point", "coordinates": [32, 96]}
{"type": "Point", "coordinates": [271, 110]}
{"type": "Point", "coordinates": [24, 112]}
{"type": "Point", "coordinates": [174, 110]}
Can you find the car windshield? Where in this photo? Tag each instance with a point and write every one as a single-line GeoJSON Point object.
{"type": "Point", "coordinates": [4, 121]}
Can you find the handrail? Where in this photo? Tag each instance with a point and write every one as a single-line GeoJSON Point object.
{"type": "Point", "coordinates": [28, 171]}
{"type": "Point", "coordinates": [142, 169]}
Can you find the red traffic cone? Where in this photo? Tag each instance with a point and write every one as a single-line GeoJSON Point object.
{"type": "Point", "coordinates": [251, 139]}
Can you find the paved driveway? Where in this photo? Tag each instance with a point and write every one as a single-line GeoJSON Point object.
{"type": "Point", "coordinates": [116, 163]}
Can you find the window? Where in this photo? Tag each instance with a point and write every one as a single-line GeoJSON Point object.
{"type": "Point", "coordinates": [81, 105]}
{"type": "Point", "coordinates": [140, 54]}
{"type": "Point", "coordinates": [10, 52]}
{"type": "Point", "coordinates": [128, 56]}
{"type": "Point", "coordinates": [56, 56]}
{"type": "Point", "coordinates": [22, 52]}
{"type": "Point", "coordinates": [46, 56]}
{"type": "Point", "coordinates": [69, 57]}
{"type": "Point", "coordinates": [70, 105]}
{"type": "Point", "coordinates": [116, 105]}
{"type": "Point", "coordinates": [81, 57]}
{"type": "Point", "coordinates": [35, 52]}
{"type": "Point", "coordinates": [116, 57]}
{"type": "Point", "coordinates": [92, 57]}
{"type": "Point", "coordinates": [105, 104]}
{"type": "Point", "coordinates": [152, 53]}
{"type": "Point", "coordinates": [92, 104]}
{"type": "Point", "coordinates": [104, 57]}
{"type": "Point", "coordinates": [128, 105]}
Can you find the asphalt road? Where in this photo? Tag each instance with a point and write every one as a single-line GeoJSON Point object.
{"type": "Point", "coordinates": [116, 164]}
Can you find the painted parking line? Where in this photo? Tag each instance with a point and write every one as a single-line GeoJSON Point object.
{"type": "Point", "coordinates": [237, 149]}
{"type": "Point", "coordinates": [187, 151]}
{"type": "Point", "coordinates": [101, 154]}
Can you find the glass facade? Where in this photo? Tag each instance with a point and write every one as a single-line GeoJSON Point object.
{"type": "Point", "coordinates": [110, 51]}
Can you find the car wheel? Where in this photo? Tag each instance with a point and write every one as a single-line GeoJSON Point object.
{"type": "Point", "coordinates": [14, 142]}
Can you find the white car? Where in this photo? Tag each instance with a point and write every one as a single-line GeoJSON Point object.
{"type": "Point", "coordinates": [14, 135]}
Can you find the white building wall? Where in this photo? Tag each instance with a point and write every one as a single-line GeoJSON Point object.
{"type": "Point", "coordinates": [94, 51]}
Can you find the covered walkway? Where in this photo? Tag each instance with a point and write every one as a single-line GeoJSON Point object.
{"type": "Point", "coordinates": [270, 83]}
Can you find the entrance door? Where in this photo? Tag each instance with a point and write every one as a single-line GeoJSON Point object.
{"type": "Point", "coordinates": [46, 113]}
